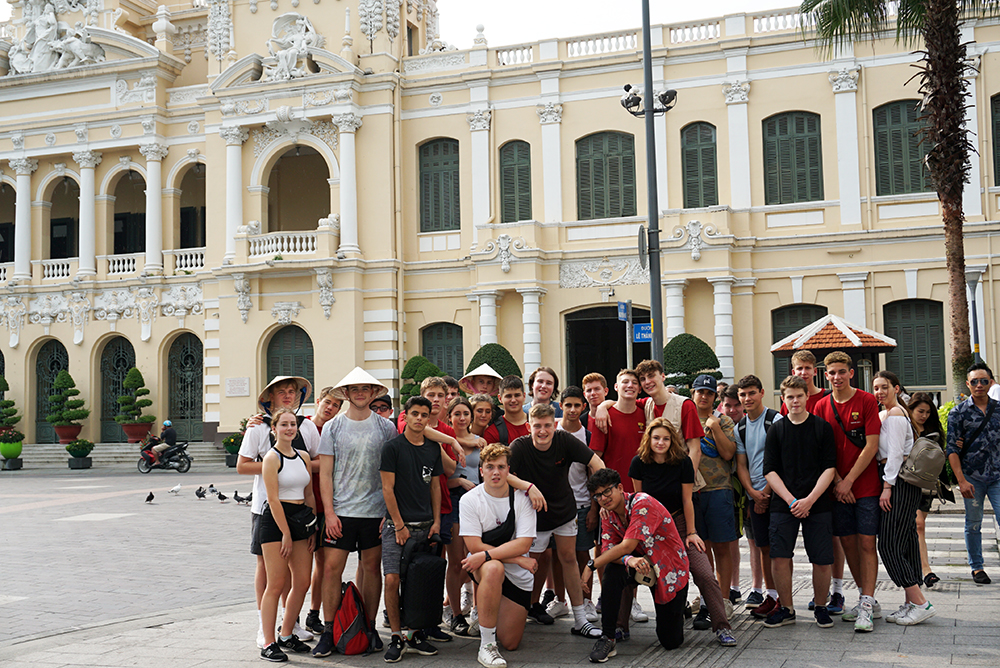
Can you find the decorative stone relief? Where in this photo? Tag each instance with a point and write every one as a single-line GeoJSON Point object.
{"type": "Point", "coordinates": [292, 35]}
{"type": "Point", "coordinates": [324, 279]}
{"type": "Point", "coordinates": [550, 112]}
{"type": "Point", "coordinates": [347, 122]}
{"type": "Point", "coordinates": [59, 168]}
{"type": "Point", "coordinates": [504, 245]}
{"type": "Point", "coordinates": [602, 274]}
{"type": "Point", "coordinates": [252, 227]}
{"type": "Point", "coordinates": [193, 127]}
{"type": "Point", "coordinates": [111, 305]}
{"type": "Point", "coordinates": [736, 92]}
{"type": "Point", "coordinates": [845, 80]}
{"type": "Point", "coordinates": [479, 120]}
{"type": "Point", "coordinates": [480, 39]}
{"type": "Point", "coordinates": [50, 139]}
{"type": "Point", "coordinates": [243, 107]}
{"type": "Point", "coordinates": [23, 166]}
{"type": "Point", "coordinates": [370, 15]}
{"type": "Point", "coordinates": [153, 152]}
{"type": "Point", "coordinates": [291, 128]}
{"type": "Point", "coordinates": [13, 315]}
{"type": "Point", "coordinates": [181, 300]}
{"type": "Point", "coordinates": [81, 134]}
{"type": "Point", "coordinates": [253, 6]}
{"type": "Point", "coordinates": [695, 242]}
{"type": "Point", "coordinates": [116, 131]}
{"type": "Point", "coordinates": [233, 135]}
{"type": "Point", "coordinates": [971, 67]}
{"type": "Point", "coordinates": [142, 91]}
{"type": "Point", "coordinates": [331, 222]}
{"type": "Point", "coordinates": [392, 19]}
{"type": "Point", "coordinates": [146, 303]}
{"type": "Point", "coordinates": [285, 311]}
{"type": "Point", "coordinates": [220, 29]}
{"type": "Point", "coordinates": [49, 44]}
{"type": "Point", "coordinates": [242, 287]}
{"type": "Point", "coordinates": [449, 61]}
{"type": "Point", "coordinates": [189, 37]}
{"type": "Point", "coordinates": [79, 309]}
{"type": "Point", "coordinates": [436, 99]}
{"type": "Point", "coordinates": [192, 154]}
{"type": "Point", "coordinates": [125, 161]}
{"type": "Point", "coordinates": [187, 95]}
{"type": "Point", "coordinates": [17, 140]}
{"type": "Point", "coordinates": [46, 309]}
{"type": "Point", "coordinates": [323, 97]}
{"type": "Point", "coordinates": [88, 159]}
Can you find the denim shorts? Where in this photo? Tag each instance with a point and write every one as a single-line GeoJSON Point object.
{"type": "Point", "coordinates": [861, 517]}
{"type": "Point", "coordinates": [716, 522]}
{"type": "Point", "coordinates": [585, 540]}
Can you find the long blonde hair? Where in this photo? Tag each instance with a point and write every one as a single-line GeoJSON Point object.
{"type": "Point", "coordinates": [678, 448]}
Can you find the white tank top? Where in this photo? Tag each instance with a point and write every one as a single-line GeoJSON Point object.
{"type": "Point", "coordinates": [293, 476]}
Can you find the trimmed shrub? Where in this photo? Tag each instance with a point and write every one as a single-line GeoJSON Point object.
{"type": "Point", "coordinates": [685, 357]}
{"type": "Point", "coordinates": [499, 359]}
{"type": "Point", "coordinates": [65, 410]}
{"type": "Point", "coordinates": [420, 367]}
{"type": "Point", "coordinates": [131, 405]}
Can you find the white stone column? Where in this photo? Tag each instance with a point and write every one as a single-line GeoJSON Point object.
{"type": "Point", "coordinates": [737, 95]}
{"type": "Point", "coordinates": [234, 137]}
{"type": "Point", "coordinates": [488, 300]}
{"type": "Point", "coordinates": [845, 87]}
{"type": "Point", "coordinates": [88, 162]}
{"type": "Point", "coordinates": [532, 317]}
{"type": "Point", "coordinates": [479, 129]}
{"type": "Point", "coordinates": [550, 116]}
{"type": "Point", "coordinates": [972, 198]}
{"type": "Point", "coordinates": [23, 167]}
{"type": "Point", "coordinates": [675, 306]}
{"type": "Point", "coordinates": [154, 154]}
{"type": "Point", "coordinates": [722, 286]}
{"type": "Point", "coordinates": [348, 125]}
{"type": "Point", "coordinates": [853, 287]}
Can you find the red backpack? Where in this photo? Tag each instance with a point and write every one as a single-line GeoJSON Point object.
{"type": "Point", "coordinates": [350, 624]}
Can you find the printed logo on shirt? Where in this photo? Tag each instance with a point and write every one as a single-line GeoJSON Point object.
{"type": "Point", "coordinates": [855, 416]}
{"type": "Point", "coordinates": [427, 474]}
{"type": "Point", "coordinates": [641, 426]}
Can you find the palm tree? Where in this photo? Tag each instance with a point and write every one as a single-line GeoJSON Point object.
{"type": "Point", "coordinates": [944, 90]}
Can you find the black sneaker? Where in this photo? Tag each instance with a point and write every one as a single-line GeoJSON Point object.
{"type": "Point", "coordinates": [547, 597]}
{"type": "Point", "coordinates": [460, 626]}
{"type": "Point", "coordinates": [374, 642]}
{"type": "Point", "coordinates": [385, 620]}
{"type": "Point", "coordinates": [273, 653]}
{"type": "Point", "coordinates": [314, 623]}
{"type": "Point", "coordinates": [537, 615]}
{"type": "Point", "coordinates": [702, 621]}
{"type": "Point", "coordinates": [325, 645]}
{"type": "Point", "coordinates": [435, 634]}
{"type": "Point", "coordinates": [603, 650]}
{"type": "Point", "coordinates": [754, 599]}
{"type": "Point", "coordinates": [396, 650]}
{"type": "Point", "coordinates": [981, 578]}
{"type": "Point", "coordinates": [418, 643]}
{"type": "Point", "coordinates": [293, 644]}
{"type": "Point", "coordinates": [823, 619]}
{"type": "Point", "coordinates": [735, 597]}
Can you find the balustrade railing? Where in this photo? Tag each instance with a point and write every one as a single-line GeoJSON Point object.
{"type": "Point", "coordinates": [56, 269]}
{"type": "Point", "coordinates": [593, 45]}
{"type": "Point", "coordinates": [282, 243]}
{"type": "Point", "coordinates": [515, 55]}
{"type": "Point", "coordinates": [779, 21]}
{"type": "Point", "coordinates": [187, 259]}
{"type": "Point", "coordinates": [695, 32]}
{"type": "Point", "coordinates": [119, 265]}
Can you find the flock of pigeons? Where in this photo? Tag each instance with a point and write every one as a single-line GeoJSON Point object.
{"type": "Point", "coordinates": [202, 493]}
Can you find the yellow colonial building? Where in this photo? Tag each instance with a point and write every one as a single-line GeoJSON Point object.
{"type": "Point", "coordinates": [219, 191]}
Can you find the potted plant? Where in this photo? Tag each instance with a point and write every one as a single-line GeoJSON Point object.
{"type": "Point", "coordinates": [135, 425]}
{"type": "Point", "coordinates": [79, 451]}
{"type": "Point", "coordinates": [10, 438]}
{"type": "Point", "coordinates": [232, 444]}
{"type": "Point", "coordinates": [66, 410]}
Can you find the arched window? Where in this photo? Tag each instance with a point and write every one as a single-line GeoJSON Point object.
{"type": "Point", "coordinates": [439, 201]}
{"type": "Point", "coordinates": [605, 176]}
{"type": "Point", "coordinates": [698, 155]}
{"type": "Point", "coordinates": [442, 344]}
{"type": "Point", "coordinates": [64, 220]}
{"type": "Point", "coordinates": [290, 353]}
{"type": "Point", "coordinates": [192, 222]}
{"type": "Point", "coordinates": [918, 327]}
{"type": "Point", "coordinates": [52, 358]}
{"type": "Point", "coordinates": [298, 191]}
{"type": "Point", "coordinates": [116, 360]}
{"type": "Point", "coordinates": [788, 320]}
{"type": "Point", "coordinates": [185, 366]}
{"type": "Point", "coordinates": [8, 204]}
{"type": "Point", "coordinates": [899, 154]}
{"type": "Point", "coordinates": [130, 215]}
{"type": "Point", "coordinates": [793, 158]}
{"type": "Point", "coordinates": [515, 182]}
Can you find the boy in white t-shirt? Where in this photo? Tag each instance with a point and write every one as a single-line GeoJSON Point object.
{"type": "Point", "coordinates": [498, 525]}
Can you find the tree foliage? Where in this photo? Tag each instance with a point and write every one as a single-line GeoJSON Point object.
{"type": "Point", "coordinates": [420, 367]}
{"type": "Point", "coordinates": [130, 405]}
{"type": "Point", "coordinates": [685, 357]}
{"type": "Point", "coordinates": [65, 409]}
{"type": "Point", "coordinates": [8, 412]}
{"type": "Point", "coordinates": [499, 359]}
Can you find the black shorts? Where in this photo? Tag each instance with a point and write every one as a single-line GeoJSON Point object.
{"type": "Point", "coordinates": [512, 592]}
{"type": "Point", "coordinates": [357, 533]}
{"type": "Point", "coordinates": [269, 531]}
{"type": "Point", "coordinates": [817, 534]}
{"type": "Point", "coordinates": [926, 501]}
{"type": "Point", "coordinates": [255, 535]}
{"type": "Point", "coordinates": [761, 525]}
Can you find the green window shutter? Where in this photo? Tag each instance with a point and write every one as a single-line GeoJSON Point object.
{"type": "Point", "coordinates": [995, 116]}
{"type": "Point", "coordinates": [699, 162]}
{"type": "Point", "coordinates": [440, 206]}
{"type": "Point", "coordinates": [899, 153]}
{"type": "Point", "coordinates": [515, 181]}
{"type": "Point", "coordinates": [605, 176]}
{"type": "Point", "coordinates": [788, 320]}
{"type": "Point", "coordinates": [917, 325]}
{"type": "Point", "coordinates": [793, 158]}
{"type": "Point", "coordinates": [442, 345]}
{"type": "Point", "coordinates": [290, 353]}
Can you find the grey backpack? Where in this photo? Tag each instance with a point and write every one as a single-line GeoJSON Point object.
{"type": "Point", "coordinates": [924, 463]}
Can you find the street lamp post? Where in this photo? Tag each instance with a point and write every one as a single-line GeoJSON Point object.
{"type": "Point", "coordinates": [632, 101]}
{"type": "Point", "coordinates": [972, 277]}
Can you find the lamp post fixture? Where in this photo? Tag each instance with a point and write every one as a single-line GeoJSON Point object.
{"type": "Point", "coordinates": [662, 103]}
{"type": "Point", "coordinates": [972, 277]}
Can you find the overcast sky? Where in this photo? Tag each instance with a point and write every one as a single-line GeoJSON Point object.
{"type": "Point", "coordinates": [516, 21]}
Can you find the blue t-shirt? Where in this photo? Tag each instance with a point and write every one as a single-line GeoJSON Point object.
{"type": "Point", "coordinates": [754, 448]}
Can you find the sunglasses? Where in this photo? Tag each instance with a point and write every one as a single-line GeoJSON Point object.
{"type": "Point", "coordinates": [979, 381]}
{"type": "Point", "coordinates": [606, 494]}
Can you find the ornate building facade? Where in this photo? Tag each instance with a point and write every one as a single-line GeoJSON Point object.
{"type": "Point", "coordinates": [217, 191]}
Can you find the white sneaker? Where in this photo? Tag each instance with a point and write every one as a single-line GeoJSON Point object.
{"type": "Point", "coordinates": [260, 637]}
{"type": "Point", "coordinates": [474, 623]}
{"type": "Point", "coordinates": [466, 602]}
{"type": "Point", "coordinates": [729, 608]}
{"type": "Point", "coordinates": [638, 615]}
{"type": "Point", "coordinates": [695, 605]}
{"type": "Point", "coordinates": [302, 633]}
{"type": "Point", "coordinates": [916, 614]}
{"type": "Point", "coordinates": [447, 615]}
{"type": "Point", "coordinates": [893, 617]}
{"type": "Point", "coordinates": [489, 657]}
{"type": "Point", "coordinates": [590, 610]}
{"type": "Point", "coordinates": [557, 608]}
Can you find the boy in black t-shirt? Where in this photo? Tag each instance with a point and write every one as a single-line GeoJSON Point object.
{"type": "Point", "coordinates": [543, 458]}
{"type": "Point", "coordinates": [800, 459]}
{"type": "Point", "coordinates": [410, 466]}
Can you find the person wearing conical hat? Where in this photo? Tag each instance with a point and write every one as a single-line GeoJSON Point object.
{"type": "Point", "coordinates": [481, 380]}
{"type": "Point", "coordinates": [351, 496]}
{"type": "Point", "coordinates": [282, 392]}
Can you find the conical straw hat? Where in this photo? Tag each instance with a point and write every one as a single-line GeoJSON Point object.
{"type": "Point", "coordinates": [481, 370]}
{"type": "Point", "coordinates": [358, 377]}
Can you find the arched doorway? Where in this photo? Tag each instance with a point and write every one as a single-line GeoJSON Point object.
{"type": "Point", "coordinates": [130, 214]}
{"type": "Point", "coordinates": [64, 220]}
{"type": "Point", "coordinates": [184, 363]}
{"type": "Point", "coordinates": [52, 358]}
{"type": "Point", "coordinates": [118, 357]}
{"type": "Point", "coordinates": [298, 191]}
{"type": "Point", "coordinates": [192, 213]}
{"type": "Point", "coordinates": [595, 341]}
{"type": "Point", "coordinates": [290, 353]}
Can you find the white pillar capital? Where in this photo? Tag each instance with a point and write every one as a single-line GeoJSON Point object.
{"type": "Point", "coordinates": [479, 120]}
{"type": "Point", "coordinates": [23, 166]}
{"type": "Point", "coordinates": [722, 282]}
{"type": "Point", "coordinates": [234, 135]}
{"type": "Point", "coordinates": [87, 159]}
{"type": "Point", "coordinates": [550, 112]}
{"type": "Point", "coordinates": [736, 92]}
{"type": "Point", "coordinates": [535, 293]}
{"type": "Point", "coordinates": [845, 80]}
{"type": "Point", "coordinates": [347, 123]}
{"type": "Point", "coordinates": [153, 152]}
{"type": "Point", "coordinates": [674, 282]}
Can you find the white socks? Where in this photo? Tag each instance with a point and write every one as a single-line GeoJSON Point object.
{"type": "Point", "coordinates": [579, 616]}
{"type": "Point", "coordinates": [837, 586]}
{"type": "Point", "coordinates": [773, 593]}
{"type": "Point", "coordinates": [758, 590]}
{"type": "Point", "coordinates": [487, 636]}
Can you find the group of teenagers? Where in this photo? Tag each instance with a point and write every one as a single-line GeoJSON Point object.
{"type": "Point", "coordinates": [520, 491]}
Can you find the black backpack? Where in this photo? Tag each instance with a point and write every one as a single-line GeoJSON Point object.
{"type": "Point", "coordinates": [421, 583]}
{"type": "Point", "coordinates": [502, 433]}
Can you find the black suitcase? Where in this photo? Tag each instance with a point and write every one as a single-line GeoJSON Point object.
{"type": "Point", "coordinates": [421, 583]}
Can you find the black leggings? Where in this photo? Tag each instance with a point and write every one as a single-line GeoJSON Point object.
{"type": "Point", "coordinates": [669, 616]}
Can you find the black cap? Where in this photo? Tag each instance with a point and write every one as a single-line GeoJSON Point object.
{"type": "Point", "coordinates": [705, 382]}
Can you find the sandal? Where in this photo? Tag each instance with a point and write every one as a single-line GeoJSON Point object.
{"type": "Point", "coordinates": [931, 579]}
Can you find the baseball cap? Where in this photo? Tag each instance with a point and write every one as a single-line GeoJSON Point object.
{"type": "Point", "coordinates": [705, 382]}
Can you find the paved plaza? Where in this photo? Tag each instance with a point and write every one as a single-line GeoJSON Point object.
{"type": "Point", "coordinates": [93, 576]}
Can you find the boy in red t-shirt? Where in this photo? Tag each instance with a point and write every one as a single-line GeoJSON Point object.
{"type": "Point", "coordinates": [515, 419]}
{"type": "Point", "coordinates": [853, 414]}
{"type": "Point", "coordinates": [626, 426]}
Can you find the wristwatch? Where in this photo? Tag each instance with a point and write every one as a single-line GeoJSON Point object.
{"type": "Point", "coordinates": [488, 557]}
{"type": "Point", "coordinates": [590, 564]}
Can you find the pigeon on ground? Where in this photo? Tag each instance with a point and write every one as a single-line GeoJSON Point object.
{"type": "Point", "coordinates": [175, 489]}
{"type": "Point", "coordinates": [200, 492]}
{"type": "Point", "coordinates": [249, 498]}
{"type": "Point", "coordinates": [237, 498]}
{"type": "Point", "coordinates": [212, 490]}
{"type": "Point", "coordinates": [223, 497]}
{"type": "Point", "coordinates": [149, 499]}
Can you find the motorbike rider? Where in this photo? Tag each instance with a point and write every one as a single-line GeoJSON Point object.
{"type": "Point", "coordinates": [168, 438]}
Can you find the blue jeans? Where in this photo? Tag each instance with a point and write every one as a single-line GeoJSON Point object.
{"type": "Point", "coordinates": [974, 519]}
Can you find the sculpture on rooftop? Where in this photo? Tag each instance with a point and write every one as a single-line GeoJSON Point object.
{"type": "Point", "coordinates": [292, 35]}
{"type": "Point", "coordinates": [50, 44]}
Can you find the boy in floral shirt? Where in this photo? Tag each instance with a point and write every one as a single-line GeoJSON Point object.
{"type": "Point", "coordinates": [638, 535]}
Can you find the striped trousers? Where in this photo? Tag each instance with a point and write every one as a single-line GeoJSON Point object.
{"type": "Point", "coordinates": [897, 536]}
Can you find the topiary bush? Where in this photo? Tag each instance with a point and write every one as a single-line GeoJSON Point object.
{"type": "Point", "coordinates": [685, 357]}
{"type": "Point", "coordinates": [420, 367]}
{"type": "Point", "coordinates": [499, 359]}
{"type": "Point", "coordinates": [65, 410]}
{"type": "Point", "coordinates": [131, 405]}
{"type": "Point", "coordinates": [8, 412]}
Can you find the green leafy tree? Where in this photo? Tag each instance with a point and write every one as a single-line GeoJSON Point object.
{"type": "Point", "coordinates": [416, 370]}
{"type": "Point", "coordinates": [499, 359]}
{"type": "Point", "coordinates": [65, 409]}
{"type": "Point", "coordinates": [685, 357]}
{"type": "Point", "coordinates": [130, 405]}
{"type": "Point", "coordinates": [944, 88]}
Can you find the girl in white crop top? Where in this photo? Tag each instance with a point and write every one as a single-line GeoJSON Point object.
{"type": "Point", "coordinates": [288, 482]}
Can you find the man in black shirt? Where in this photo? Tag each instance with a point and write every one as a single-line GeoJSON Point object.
{"type": "Point", "coordinates": [543, 458]}
{"type": "Point", "coordinates": [800, 459]}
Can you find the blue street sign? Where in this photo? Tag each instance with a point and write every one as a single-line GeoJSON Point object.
{"type": "Point", "coordinates": [642, 332]}
{"type": "Point", "coordinates": [622, 311]}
